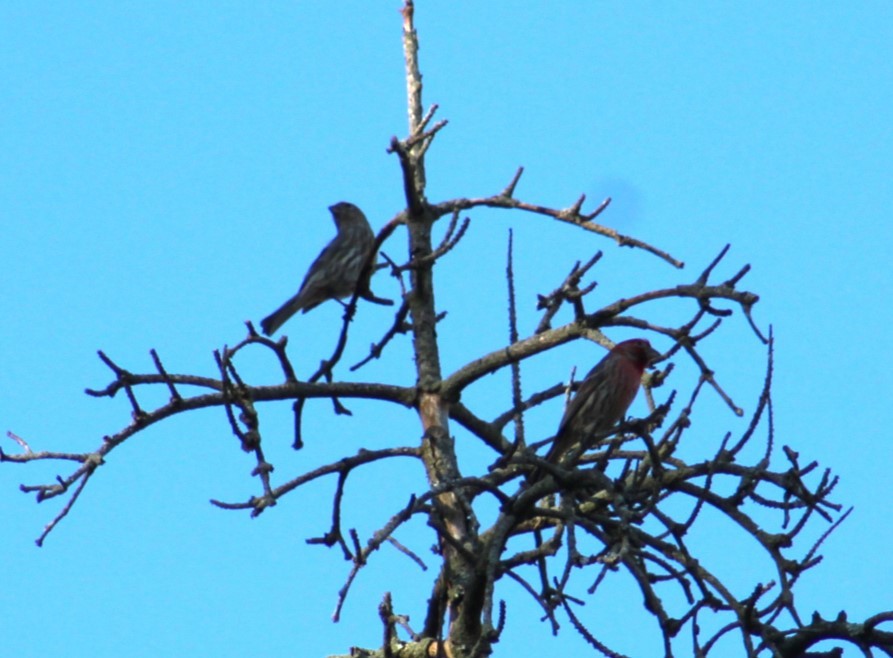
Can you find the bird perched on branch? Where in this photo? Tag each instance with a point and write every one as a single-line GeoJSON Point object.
{"type": "Point", "coordinates": [336, 271]}
{"type": "Point", "coordinates": [602, 399]}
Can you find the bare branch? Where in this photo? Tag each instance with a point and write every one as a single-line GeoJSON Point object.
{"type": "Point", "coordinates": [571, 215]}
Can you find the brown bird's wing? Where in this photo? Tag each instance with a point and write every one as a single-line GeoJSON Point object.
{"type": "Point", "coordinates": [319, 284]}
{"type": "Point", "coordinates": [312, 293]}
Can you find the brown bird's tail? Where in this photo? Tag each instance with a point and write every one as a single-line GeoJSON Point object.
{"type": "Point", "coordinates": [277, 318]}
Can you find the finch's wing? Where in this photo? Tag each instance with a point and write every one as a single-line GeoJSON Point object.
{"type": "Point", "coordinates": [588, 388]}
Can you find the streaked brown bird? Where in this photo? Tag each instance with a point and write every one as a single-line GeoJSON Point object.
{"type": "Point", "coordinates": [336, 271]}
{"type": "Point", "coordinates": [604, 395]}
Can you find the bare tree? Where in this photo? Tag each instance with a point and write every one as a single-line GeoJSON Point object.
{"type": "Point", "coordinates": [618, 509]}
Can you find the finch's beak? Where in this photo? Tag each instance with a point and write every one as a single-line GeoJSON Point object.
{"type": "Point", "coordinates": [653, 355]}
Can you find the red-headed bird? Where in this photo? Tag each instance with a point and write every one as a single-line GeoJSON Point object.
{"type": "Point", "coordinates": [336, 271]}
{"type": "Point", "coordinates": [601, 402]}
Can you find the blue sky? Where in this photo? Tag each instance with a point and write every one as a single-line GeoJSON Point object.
{"type": "Point", "coordinates": [166, 169]}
